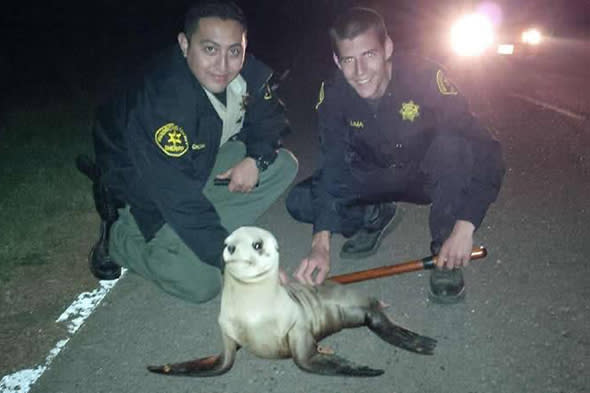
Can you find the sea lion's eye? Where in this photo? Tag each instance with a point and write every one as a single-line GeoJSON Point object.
{"type": "Point", "coordinates": [257, 245]}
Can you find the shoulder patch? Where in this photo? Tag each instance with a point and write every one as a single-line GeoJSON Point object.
{"type": "Point", "coordinates": [445, 86]}
{"type": "Point", "coordinates": [321, 97]}
{"type": "Point", "coordinates": [172, 140]}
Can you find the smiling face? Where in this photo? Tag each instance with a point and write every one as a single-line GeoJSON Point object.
{"type": "Point", "coordinates": [364, 61]}
{"type": "Point", "coordinates": [215, 52]}
{"type": "Point", "coordinates": [251, 254]}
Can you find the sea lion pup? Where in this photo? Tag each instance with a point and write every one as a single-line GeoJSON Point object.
{"type": "Point", "coordinates": [279, 321]}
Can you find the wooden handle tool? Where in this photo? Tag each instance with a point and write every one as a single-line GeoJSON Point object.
{"type": "Point", "coordinates": [405, 267]}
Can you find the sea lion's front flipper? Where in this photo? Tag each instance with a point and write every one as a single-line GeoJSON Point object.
{"type": "Point", "coordinates": [396, 335]}
{"type": "Point", "coordinates": [308, 358]}
{"type": "Point", "coordinates": [203, 367]}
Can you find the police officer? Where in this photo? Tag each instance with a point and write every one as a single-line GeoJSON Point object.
{"type": "Point", "coordinates": [203, 111]}
{"type": "Point", "coordinates": [393, 128]}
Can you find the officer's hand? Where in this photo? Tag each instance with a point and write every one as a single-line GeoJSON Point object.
{"type": "Point", "coordinates": [318, 263]}
{"type": "Point", "coordinates": [283, 278]}
{"type": "Point", "coordinates": [456, 250]}
{"type": "Point", "coordinates": [243, 176]}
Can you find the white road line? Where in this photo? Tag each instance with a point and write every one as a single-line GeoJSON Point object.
{"type": "Point", "coordinates": [74, 316]}
{"type": "Point", "coordinates": [546, 105]}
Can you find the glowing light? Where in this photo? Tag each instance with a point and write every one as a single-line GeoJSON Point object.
{"type": "Point", "coordinates": [472, 35]}
{"type": "Point", "coordinates": [532, 37]}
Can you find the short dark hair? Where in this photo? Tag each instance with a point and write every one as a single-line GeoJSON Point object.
{"type": "Point", "coordinates": [355, 21]}
{"type": "Point", "coordinates": [223, 9]}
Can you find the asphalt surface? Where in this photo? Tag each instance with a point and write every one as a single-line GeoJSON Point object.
{"type": "Point", "coordinates": [523, 326]}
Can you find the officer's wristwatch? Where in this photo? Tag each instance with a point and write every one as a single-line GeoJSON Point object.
{"type": "Point", "coordinates": [261, 163]}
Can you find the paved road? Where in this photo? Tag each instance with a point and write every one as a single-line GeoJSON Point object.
{"type": "Point", "coordinates": [522, 328]}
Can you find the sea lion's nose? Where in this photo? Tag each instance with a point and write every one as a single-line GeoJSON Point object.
{"type": "Point", "coordinates": [231, 248]}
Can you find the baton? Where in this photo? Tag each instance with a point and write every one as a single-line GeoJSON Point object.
{"type": "Point", "coordinates": [427, 263]}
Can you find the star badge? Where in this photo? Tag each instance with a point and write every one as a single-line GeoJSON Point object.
{"type": "Point", "coordinates": [409, 111]}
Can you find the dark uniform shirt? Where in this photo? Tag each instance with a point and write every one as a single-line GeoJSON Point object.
{"type": "Point", "coordinates": [358, 136]}
{"type": "Point", "coordinates": [157, 143]}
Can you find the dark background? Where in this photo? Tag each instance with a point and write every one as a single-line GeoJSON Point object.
{"type": "Point", "coordinates": [67, 47]}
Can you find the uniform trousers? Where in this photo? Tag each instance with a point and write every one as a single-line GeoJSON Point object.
{"type": "Point", "coordinates": [441, 178]}
{"type": "Point", "coordinates": [167, 261]}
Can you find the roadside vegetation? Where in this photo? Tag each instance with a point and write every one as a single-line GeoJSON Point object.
{"type": "Point", "coordinates": [41, 192]}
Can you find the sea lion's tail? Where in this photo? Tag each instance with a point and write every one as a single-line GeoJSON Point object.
{"type": "Point", "coordinates": [398, 336]}
{"type": "Point", "coordinates": [203, 367]}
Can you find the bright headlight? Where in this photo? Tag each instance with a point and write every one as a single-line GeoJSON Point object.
{"type": "Point", "coordinates": [532, 37]}
{"type": "Point", "coordinates": [472, 35]}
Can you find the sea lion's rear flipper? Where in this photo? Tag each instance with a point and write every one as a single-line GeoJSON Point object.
{"type": "Point", "coordinates": [396, 335]}
{"type": "Point", "coordinates": [203, 367]}
{"type": "Point", "coordinates": [308, 358]}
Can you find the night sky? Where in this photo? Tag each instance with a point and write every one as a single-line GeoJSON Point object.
{"type": "Point", "coordinates": [48, 47]}
{"type": "Point", "coordinates": [51, 46]}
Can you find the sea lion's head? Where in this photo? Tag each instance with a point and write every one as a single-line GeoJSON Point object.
{"type": "Point", "coordinates": [251, 254]}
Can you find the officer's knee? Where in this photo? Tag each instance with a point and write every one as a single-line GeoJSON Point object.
{"type": "Point", "coordinates": [205, 294]}
{"type": "Point", "coordinates": [194, 292]}
{"type": "Point", "coordinates": [299, 203]}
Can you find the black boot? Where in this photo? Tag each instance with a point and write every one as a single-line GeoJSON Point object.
{"type": "Point", "coordinates": [377, 223]}
{"type": "Point", "coordinates": [446, 286]}
{"type": "Point", "coordinates": [101, 264]}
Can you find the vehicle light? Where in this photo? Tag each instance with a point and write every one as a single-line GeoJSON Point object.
{"type": "Point", "coordinates": [532, 37]}
{"type": "Point", "coordinates": [472, 35]}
